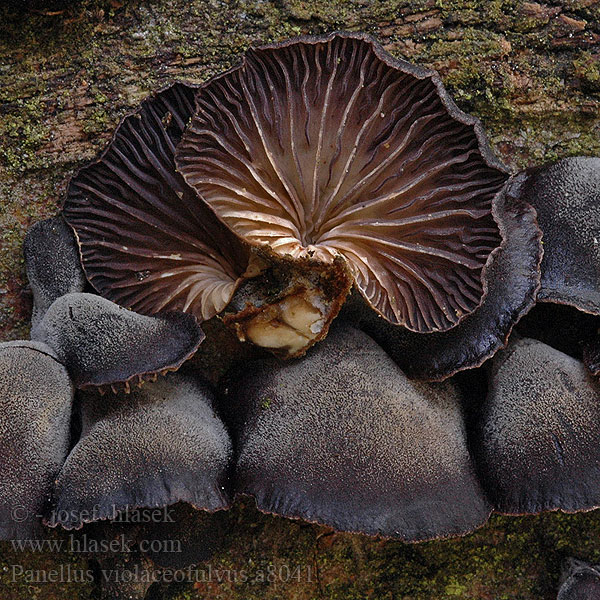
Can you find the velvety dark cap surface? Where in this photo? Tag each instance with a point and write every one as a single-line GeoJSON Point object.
{"type": "Point", "coordinates": [53, 266]}
{"type": "Point", "coordinates": [103, 344]}
{"type": "Point", "coordinates": [35, 411]}
{"type": "Point", "coordinates": [582, 582]}
{"type": "Point", "coordinates": [538, 435]}
{"type": "Point", "coordinates": [566, 195]}
{"type": "Point", "coordinates": [157, 446]}
{"type": "Point", "coordinates": [343, 438]}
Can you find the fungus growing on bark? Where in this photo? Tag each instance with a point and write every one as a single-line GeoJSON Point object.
{"type": "Point", "coordinates": [566, 196]}
{"type": "Point", "coordinates": [53, 266]}
{"type": "Point", "coordinates": [321, 156]}
{"type": "Point", "coordinates": [160, 445]}
{"type": "Point", "coordinates": [149, 243]}
{"type": "Point", "coordinates": [35, 411]}
{"type": "Point", "coordinates": [343, 438]}
{"type": "Point", "coordinates": [104, 345]}
{"type": "Point", "coordinates": [537, 439]}
{"type": "Point", "coordinates": [327, 146]}
{"type": "Point", "coordinates": [514, 279]}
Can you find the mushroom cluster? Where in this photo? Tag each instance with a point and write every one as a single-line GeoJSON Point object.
{"type": "Point", "coordinates": [323, 194]}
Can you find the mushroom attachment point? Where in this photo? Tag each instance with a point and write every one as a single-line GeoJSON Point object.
{"type": "Point", "coordinates": [290, 305]}
{"type": "Point", "coordinates": [343, 438]}
{"type": "Point", "coordinates": [327, 146]}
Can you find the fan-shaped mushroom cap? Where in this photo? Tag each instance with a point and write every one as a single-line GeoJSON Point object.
{"type": "Point", "coordinates": [53, 266]}
{"type": "Point", "coordinates": [103, 344]}
{"type": "Point", "coordinates": [327, 145]}
{"type": "Point", "coordinates": [35, 411]}
{"type": "Point", "coordinates": [514, 278]}
{"type": "Point", "coordinates": [343, 438]}
{"type": "Point", "coordinates": [538, 436]}
{"type": "Point", "coordinates": [147, 241]}
{"type": "Point", "coordinates": [582, 582]}
{"type": "Point", "coordinates": [150, 244]}
{"type": "Point", "coordinates": [160, 445]}
{"type": "Point", "coordinates": [566, 196]}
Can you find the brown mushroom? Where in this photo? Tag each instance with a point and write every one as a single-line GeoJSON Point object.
{"type": "Point", "coordinates": [514, 279]}
{"type": "Point", "coordinates": [150, 244]}
{"type": "Point", "coordinates": [327, 146]}
{"type": "Point", "coordinates": [147, 242]}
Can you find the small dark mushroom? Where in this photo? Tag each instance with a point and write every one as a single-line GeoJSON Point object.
{"type": "Point", "coordinates": [581, 581]}
{"type": "Point", "coordinates": [537, 440]}
{"type": "Point", "coordinates": [342, 437]}
{"type": "Point", "coordinates": [104, 345]}
{"type": "Point", "coordinates": [160, 445]}
{"type": "Point", "coordinates": [53, 265]}
{"type": "Point", "coordinates": [566, 195]}
{"type": "Point", "coordinates": [327, 146]}
{"type": "Point", "coordinates": [514, 280]}
{"type": "Point", "coordinates": [35, 412]}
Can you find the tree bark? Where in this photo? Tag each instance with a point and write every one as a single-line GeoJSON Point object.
{"type": "Point", "coordinates": [70, 70]}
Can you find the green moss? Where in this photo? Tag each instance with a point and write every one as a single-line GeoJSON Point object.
{"type": "Point", "coordinates": [97, 122]}
{"type": "Point", "coordinates": [510, 558]}
{"type": "Point", "coordinates": [587, 69]}
{"type": "Point", "coordinates": [23, 131]}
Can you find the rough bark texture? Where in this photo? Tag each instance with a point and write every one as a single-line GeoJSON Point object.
{"type": "Point", "coordinates": [70, 70]}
